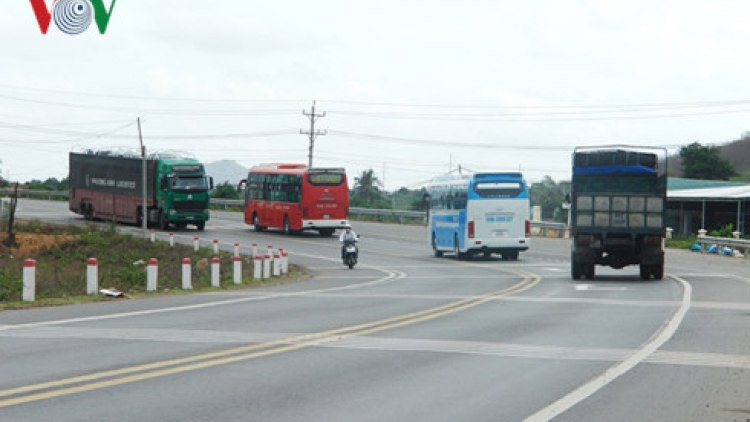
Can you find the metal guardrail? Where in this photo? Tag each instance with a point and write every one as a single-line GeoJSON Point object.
{"type": "Point", "coordinates": [538, 228]}
{"type": "Point", "coordinates": [734, 244]}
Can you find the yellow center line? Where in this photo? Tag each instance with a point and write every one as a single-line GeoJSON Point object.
{"type": "Point", "coordinates": [136, 373]}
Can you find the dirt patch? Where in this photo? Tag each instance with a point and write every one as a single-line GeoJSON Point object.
{"type": "Point", "coordinates": [30, 244]}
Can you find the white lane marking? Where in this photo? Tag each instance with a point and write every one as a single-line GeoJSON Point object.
{"type": "Point", "coordinates": [586, 390]}
{"type": "Point", "coordinates": [594, 287]}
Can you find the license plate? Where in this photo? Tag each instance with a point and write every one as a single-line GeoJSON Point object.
{"type": "Point", "coordinates": [326, 216]}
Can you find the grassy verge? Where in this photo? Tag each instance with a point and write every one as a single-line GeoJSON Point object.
{"type": "Point", "coordinates": [61, 254]}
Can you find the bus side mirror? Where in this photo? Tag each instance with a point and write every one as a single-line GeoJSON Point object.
{"type": "Point", "coordinates": [241, 185]}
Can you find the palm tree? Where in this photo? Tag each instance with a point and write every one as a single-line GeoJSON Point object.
{"type": "Point", "coordinates": [366, 187]}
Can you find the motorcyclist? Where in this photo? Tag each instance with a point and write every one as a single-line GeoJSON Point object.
{"type": "Point", "coordinates": [347, 236]}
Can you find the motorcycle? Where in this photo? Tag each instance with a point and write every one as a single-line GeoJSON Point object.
{"type": "Point", "coordinates": [351, 253]}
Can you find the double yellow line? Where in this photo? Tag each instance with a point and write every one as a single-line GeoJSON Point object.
{"type": "Point", "coordinates": [98, 380]}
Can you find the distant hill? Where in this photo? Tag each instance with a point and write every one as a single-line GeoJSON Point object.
{"type": "Point", "coordinates": [226, 171]}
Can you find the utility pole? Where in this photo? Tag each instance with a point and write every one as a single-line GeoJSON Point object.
{"type": "Point", "coordinates": [144, 201]}
{"type": "Point", "coordinates": [312, 133]}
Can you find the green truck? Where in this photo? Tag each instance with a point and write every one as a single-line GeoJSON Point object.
{"type": "Point", "coordinates": [108, 185]}
{"type": "Point", "coordinates": [618, 204]}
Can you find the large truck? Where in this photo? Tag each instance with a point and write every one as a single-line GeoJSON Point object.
{"type": "Point", "coordinates": [618, 205]}
{"type": "Point", "coordinates": [108, 185]}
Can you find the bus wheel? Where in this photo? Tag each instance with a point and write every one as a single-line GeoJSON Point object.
{"type": "Point", "coordinates": [326, 232]}
{"type": "Point", "coordinates": [456, 250]}
{"type": "Point", "coordinates": [438, 254]}
{"type": "Point", "coordinates": [512, 256]}
{"type": "Point", "coordinates": [287, 226]}
{"type": "Point", "coordinates": [256, 223]}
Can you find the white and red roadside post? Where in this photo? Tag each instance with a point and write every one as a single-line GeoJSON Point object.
{"type": "Point", "coordinates": [153, 236]}
{"type": "Point", "coordinates": [267, 267]}
{"type": "Point", "coordinates": [187, 282]}
{"type": "Point", "coordinates": [171, 239]}
{"type": "Point", "coordinates": [284, 261]}
{"type": "Point", "coordinates": [196, 239]}
{"type": "Point", "coordinates": [216, 246]}
{"type": "Point", "coordinates": [236, 249]}
{"type": "Point", "coordinates": [92, 276]}
{"type": "Point", "coordinates": [255, 249]}
{"type": "Point", "coordinates": [215, 271]}
{"type": "Point", "coordinates": [277, 264]}
{"type": "Point", "coordinates": [152, 274]}
{"type": "Point", "coordinates": [257, 264]}
{"type": "Point", "coordinates": [29, 280]}
{"type": "Point", "coordinates": [237, 269]}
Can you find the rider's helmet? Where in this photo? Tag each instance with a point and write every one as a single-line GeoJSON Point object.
{"type": "Point", "coordinates": [348, 227]}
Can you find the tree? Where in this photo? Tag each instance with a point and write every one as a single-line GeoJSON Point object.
{"type": "Point", "coordinates": [704, 162]}
{"type": "Point", "coordinates": [225, 191]}
{"type": "Point", "coordinates": [549, 196]}
{"type": "Point", "coordinates": [366, 193]}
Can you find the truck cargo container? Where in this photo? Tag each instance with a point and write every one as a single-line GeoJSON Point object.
{"type": "Point", "coordinates": [618, 203]}
{"type": "Point", "coordinates": [106, 185]}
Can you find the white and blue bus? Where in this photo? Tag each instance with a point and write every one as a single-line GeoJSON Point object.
{"type": "Point", "coordinates": [482, 213]}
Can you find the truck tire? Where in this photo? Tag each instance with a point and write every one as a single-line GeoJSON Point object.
{"type": "Point", "coordinates": [658, 271]}
{"type": "Point", "coordinates": [645, 271]}
{"type": "Point", "coordinates": [201, 225]}
{"type": "Point", "coordinates": [576, 270]}
{"type": "Point", "coordinates": [163, 223]}
{"type": "Point", "coordinates": [590, 270]}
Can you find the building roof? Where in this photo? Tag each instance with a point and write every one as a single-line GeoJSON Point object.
{"type": "Point", "coordinates": [712, 190]}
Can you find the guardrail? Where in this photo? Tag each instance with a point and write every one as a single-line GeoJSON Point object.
{"type": "Point", "coordinates": [538, 228]}
{"type": "Point", "coordinates": [724, 242]}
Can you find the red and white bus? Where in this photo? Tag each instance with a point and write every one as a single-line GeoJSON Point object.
{"type": "Point", "coordinates": [294, 197]}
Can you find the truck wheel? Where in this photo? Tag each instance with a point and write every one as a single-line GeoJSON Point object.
{"type": "Point", "coordinates": [658, 271]}
{"type": "Point", "coordinates": [645, 272]}
{"type": "Point", "coordinates": [201, 225]}
{"type": "Point", "coordinates": [590, 271]}
{"type": "Point", "coordinates": [512, 256]}
{"type": "Point", "coordinates": [163, 223]}
{"type": "Point", "coordinates": [88, 211]}
{"type": "Point", "coordinates": [576, 270]}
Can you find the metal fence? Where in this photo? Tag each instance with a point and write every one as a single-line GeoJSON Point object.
{"type": "Point", "coordinates": [538, 228]}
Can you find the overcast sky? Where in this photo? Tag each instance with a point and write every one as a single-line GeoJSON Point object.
{"type": "Point", "coordinates": [410, 89]}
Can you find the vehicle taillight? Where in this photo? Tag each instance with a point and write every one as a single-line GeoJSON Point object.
{"type": "Point", "coordinates": [528, 228]}
{"type": "Point", "coordinates": [471, 229]}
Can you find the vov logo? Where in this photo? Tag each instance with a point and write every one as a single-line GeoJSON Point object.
{"type": "Point", "coordinates": [72, 16]}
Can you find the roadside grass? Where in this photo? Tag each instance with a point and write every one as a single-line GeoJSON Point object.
{"type": "Point", "coordinates": [122, 260]}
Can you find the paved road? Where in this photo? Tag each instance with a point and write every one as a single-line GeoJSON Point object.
{"type": "Point", "coordinates": [402, 337]}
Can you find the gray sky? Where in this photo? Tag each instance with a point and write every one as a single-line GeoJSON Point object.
{"type": "Point", "coordinates": [410, 88]}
